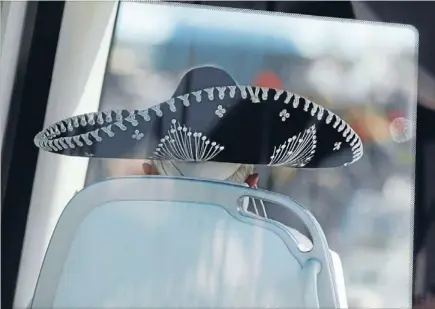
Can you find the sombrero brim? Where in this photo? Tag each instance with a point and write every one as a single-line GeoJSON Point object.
{"type": "Point", "coordinates": [233, 124]}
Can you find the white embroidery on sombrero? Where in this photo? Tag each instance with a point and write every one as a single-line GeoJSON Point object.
{"type": "Point", "coordinates": [77, 140]}
{"type": "Point", "coordinates": [297, 151]}
{"type": "Point", "coordinates": [337, 146]}
{"type": "Point", "coordinates": [69, 142]}
{"type": "Point", "coordinates": [137, 135]}
{"type": "Point", "coordinates": [346, 132]}
{"type": "Point", "coordinates": [356, 141]}
{"type": "Point", "coordinates": [56, 144]}
{"type": "Point", "coordinates": [197, 95]}
{"type": "Point", "coordinates": [157, 109]}
{"type": "Point", "coordinates": [119, 125]}
{"type": "Point", "coordinates": [254, 92]}
{"type": "Point", "coordinates": [232, 91]}
{"type": "Point", "coordinates": [171, 104]}
{"type": "Point", "coordinates": [220, 111]}
{"type": "Point", "coordinates": [284, 115]}
{"type": "Point", "coordinates": [320, 113]}
{"type": "Point", "coordinates": [108, 130]}
{"type": "Point", "coordinates": [185, 99]}
{"type": "Point", "coordinates": [91, 120]}
{"type": "Point", "coordinates": [108, 116]}
{"type": "Point", "coordinates": [62, 143]}
{"type": "Point", "coordinates": [100, 119]}
{"type": "Point", "coordinates": [314, 110]}
{"type": "Point", "coordinates": [221, 92]}
{"type": "Point", "coordinates": [278, 94]}
{"type": "Point", "coordinates": [132, 118]}
{"type": "Point", "coordinates": [144, 114]}
{"type": "Point", "coordinates": [307, 105]}
{"type": "Point", "coordinates": [69, 124]}
{"type": "Point", "coordinates": [296, 101]}
{"type": "Point", "coordinates": [75, 120]}
{"type": "Point", "coordinates": [210, 93]}
{"type": "Point", "coordinates": [118, 114]}
{"type": "Point", "coordinates": [96, 136]}
{"type": "Point", "coordinates": [50, 139]}
{"type": "Point", "coordinates": [85, 137]}
{"type": "Point", "coordinates": [62, 127]}
{"type": "Point", "coordinates": [180, 143]}
{"type": "Point", "coordinates": [83, 120]}
{"type": "Point", "coordinates": [337, 122]}
{"type": "Point", "coordinates": [288, 98]}
{"type": "Point", "coordinates": [329, 118]}
{"type": "Point", "coordinates": [243, 91]}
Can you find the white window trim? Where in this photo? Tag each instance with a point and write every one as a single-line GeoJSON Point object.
{"type": "Point", "coordinates": [78, 73]}
{"type": "Point", "coordinates": [12, 24]}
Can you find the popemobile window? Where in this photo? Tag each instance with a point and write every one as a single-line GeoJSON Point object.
{"type": "Point", "coordinates": [240, 159]}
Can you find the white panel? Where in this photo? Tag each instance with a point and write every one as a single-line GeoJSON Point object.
{"type": "Point", "coordinates": [78, 73]}
{"type": "Point", "coordinates": [13, 14]}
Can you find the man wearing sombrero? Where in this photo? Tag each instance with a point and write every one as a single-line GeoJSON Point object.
{"type": "Point", "coordinates": [214, 128]}
{"type": "Point", "coordinates": [211, 128]}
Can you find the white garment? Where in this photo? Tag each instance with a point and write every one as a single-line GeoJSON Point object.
{"type": "Point", "coordinates": [211, 170]}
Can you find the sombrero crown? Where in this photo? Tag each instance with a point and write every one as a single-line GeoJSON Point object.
{"type": "Point", "coordinates": [211, 118]}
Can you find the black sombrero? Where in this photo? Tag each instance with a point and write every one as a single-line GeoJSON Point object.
{"type": "Point", "coordinates": [211, 118]}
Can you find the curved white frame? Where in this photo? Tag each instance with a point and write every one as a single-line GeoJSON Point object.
{"type": "Point", "coordinates": [226, 195]}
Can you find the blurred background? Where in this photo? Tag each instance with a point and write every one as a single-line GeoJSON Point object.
{"type": "Point", "coordinates": [53, 58]}
{"type": "Point", "coordinates": [365, 72]}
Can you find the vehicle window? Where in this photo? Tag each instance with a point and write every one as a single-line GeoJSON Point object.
{"type": "Point", "coordinates": [363, 72]}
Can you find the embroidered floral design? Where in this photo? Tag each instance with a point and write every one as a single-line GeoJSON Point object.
{"type": "Point", "coordinates": [337, 146]}
{"type": "Point", "coordinates": [220, 111]}
{"type": "Point", "coordinates": [137, 135]}
{"type": "Point", "coordinates": [296, 151]}
{"type": "Point", "coordinates": [284, 115]}
{"type": "Point", "coordinates": [181, 143]}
